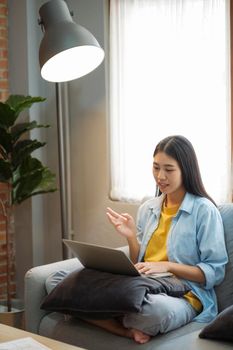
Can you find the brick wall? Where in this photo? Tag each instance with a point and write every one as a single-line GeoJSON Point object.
{"type": "Point", "coordinates": [4, 87]}
{"type": "Point", "coordinates": [4, 92]}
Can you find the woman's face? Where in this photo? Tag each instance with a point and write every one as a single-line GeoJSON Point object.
{"type": "Point", "coordinates": [167, 173]}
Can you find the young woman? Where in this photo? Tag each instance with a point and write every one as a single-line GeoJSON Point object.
{"type": "Point", "coordinates": [180, 231]}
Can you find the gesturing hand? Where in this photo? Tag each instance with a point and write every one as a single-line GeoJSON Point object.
{"type": "Point", "coordinates": [123, 223]}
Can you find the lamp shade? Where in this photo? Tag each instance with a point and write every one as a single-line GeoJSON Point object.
{"type": "Point", "coordinates": [67, 50]}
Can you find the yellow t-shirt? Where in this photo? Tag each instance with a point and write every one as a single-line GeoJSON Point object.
{"type": "Point", "coordinates": [157, 247]}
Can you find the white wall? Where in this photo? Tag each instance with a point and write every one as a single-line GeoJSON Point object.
{"type": "Point", "coordinates": [39, 233]}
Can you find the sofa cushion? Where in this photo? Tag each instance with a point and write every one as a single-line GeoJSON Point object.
{"type": "Point", "coordinates": [225, 290]}
{"type": "Point", "coordinates": [85, 335]}
{"type": "Point", "coordinates": [222, 326]}
{"type": "Point", "coordinates": [91, 293]}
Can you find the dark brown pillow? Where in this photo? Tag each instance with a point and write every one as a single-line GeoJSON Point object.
{"type": "Point", "coordinates": [221, 327]}
{"type": "Point", "coordinates": [95, 294]}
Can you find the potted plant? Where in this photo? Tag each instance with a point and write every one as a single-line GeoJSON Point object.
{"type": "Point", "coordinates": [24, 175]}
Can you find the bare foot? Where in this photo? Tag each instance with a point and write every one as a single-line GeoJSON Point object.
{"type": "Point", "coordinates": [139, 336]}
{"type": "Point", "coordinates": [116, 327]}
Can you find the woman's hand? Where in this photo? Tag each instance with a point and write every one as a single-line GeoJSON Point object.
{"type": "Point", "coordinates": [191, 273]}
{"type": "Point", "coordinates": [123, 223]}
{"type": "Point", "coordinates": [149, 268]}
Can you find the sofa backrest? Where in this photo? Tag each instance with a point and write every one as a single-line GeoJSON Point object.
{"type": "Point", "coordinates": [224, 291]}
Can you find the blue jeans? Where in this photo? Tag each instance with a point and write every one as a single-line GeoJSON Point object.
{"type": "Point", "coordinates": [160, 314]}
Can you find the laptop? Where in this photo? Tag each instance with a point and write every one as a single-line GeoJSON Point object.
{"type": "Point", "coordinates": [106, 259]}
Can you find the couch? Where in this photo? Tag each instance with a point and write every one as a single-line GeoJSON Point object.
{"type": "Point", "coordinates": [76, 332]}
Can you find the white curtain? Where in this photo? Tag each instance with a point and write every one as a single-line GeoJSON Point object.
{"type": "Point", "coordinates": [169, 74]}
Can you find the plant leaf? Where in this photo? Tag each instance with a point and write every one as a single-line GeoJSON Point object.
{"type": "Point", "coordinates": [32, 178]}
{"type": "Point", "coordinates": [20, 102]}
{"type": "Point", "coordinates": [23, 149]}
{"type": "Point", "coordinates": [26, 185]}
{"type": "Point", "coordinates": [5, 139]}
{"type": "Point", "coordinates": [28, 166]}
{"type": "Point", "coordinates": [48, 181]}
{"type": "Point", "coordinates": [7, 116]}
{"type": "Point", "coordinates": [20, 128]}
{"type": "Point", "coordinates": [5, 172]}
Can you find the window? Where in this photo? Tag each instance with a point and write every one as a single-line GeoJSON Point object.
{"type": "Point", "coordinates": [169, 74]}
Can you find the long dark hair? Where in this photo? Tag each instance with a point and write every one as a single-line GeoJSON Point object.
{"type": "Point", "coordinates": [181, 149]}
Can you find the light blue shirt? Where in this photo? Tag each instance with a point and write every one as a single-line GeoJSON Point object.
{"type": "Point", "coordinates": [196, 237]}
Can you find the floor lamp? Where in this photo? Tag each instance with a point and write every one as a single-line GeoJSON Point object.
{"type": "Point", "coordinates": [67, 51]}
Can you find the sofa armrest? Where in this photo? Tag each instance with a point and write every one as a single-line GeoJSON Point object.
{"type": "Point", "coordinates": [35, 290]}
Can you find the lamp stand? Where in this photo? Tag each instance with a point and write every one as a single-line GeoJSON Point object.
{"type": "Point", "coordinates": [64, 162]}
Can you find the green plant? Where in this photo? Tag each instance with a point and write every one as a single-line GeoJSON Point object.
{"type": "Point", "coordinates": [24, 175]}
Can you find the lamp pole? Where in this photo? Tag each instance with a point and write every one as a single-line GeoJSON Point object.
{"type": "Point", "coordinates": [64, 161]}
